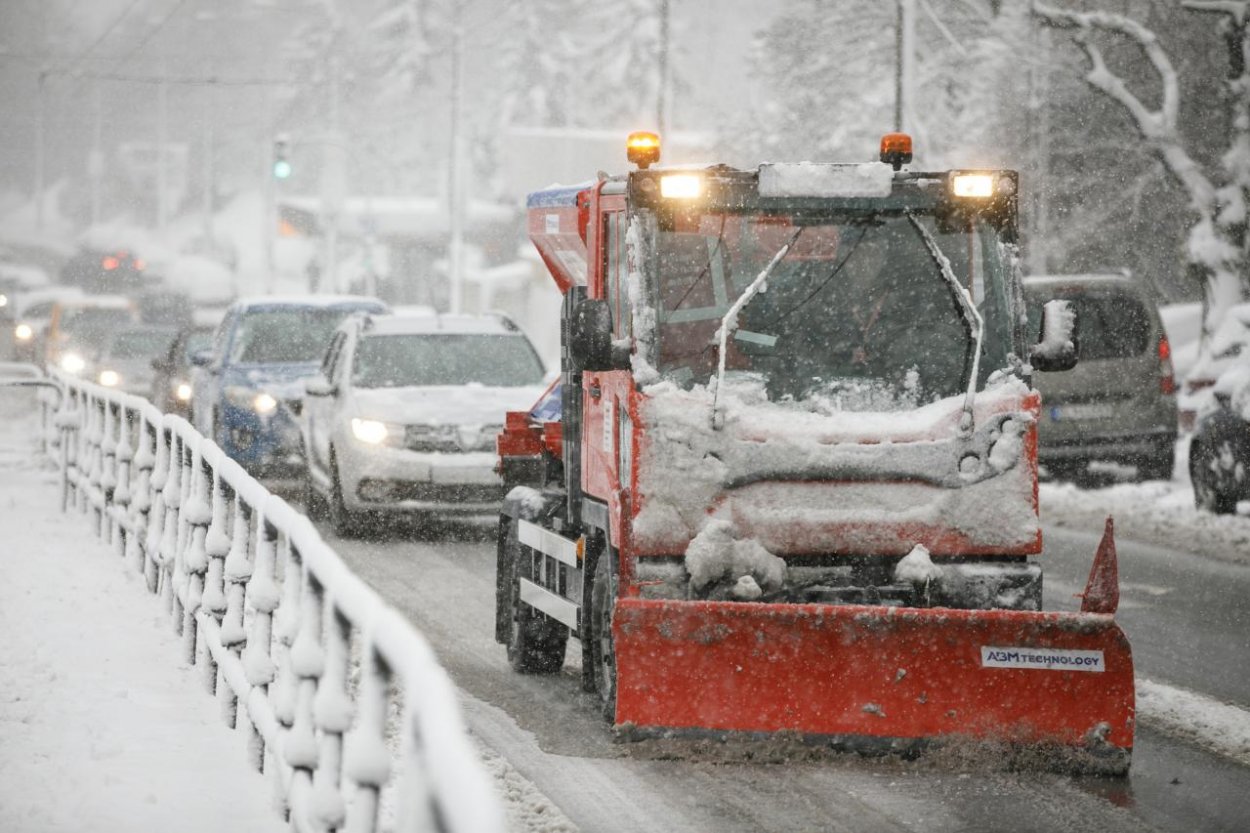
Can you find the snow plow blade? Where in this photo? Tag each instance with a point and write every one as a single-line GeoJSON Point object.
{"type": "Point", "coordinates": [876, 678]}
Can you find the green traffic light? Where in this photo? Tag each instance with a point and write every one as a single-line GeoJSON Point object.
{"type": "Point", "coordinates": [281, 169]}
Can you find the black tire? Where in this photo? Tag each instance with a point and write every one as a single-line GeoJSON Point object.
{"type": "Point", "coordinates": [536, 643]}
{"type": "Point", "coordinates": [603, 649]}
{"type": "Point", "coordinates": [342, 520]}
{"type": "Point", "coordinates": [1214, 487]}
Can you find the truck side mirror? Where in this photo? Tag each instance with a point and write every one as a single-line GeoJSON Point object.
{"type": "Point", "coordinates": [1057, 347]}
{"type": "Point", "coordinates": [590, 337]}
{"type": "Point", "coordinates": [202, 358]}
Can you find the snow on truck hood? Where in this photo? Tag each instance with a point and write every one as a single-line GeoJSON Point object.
{"type": "Point", "coordinates": [444, 404]}
{"type": "Point", "coordinates": [847, 481]}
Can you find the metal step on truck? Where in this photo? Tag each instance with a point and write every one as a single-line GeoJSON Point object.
{"type": "Point", "coordinates": [787, 480]}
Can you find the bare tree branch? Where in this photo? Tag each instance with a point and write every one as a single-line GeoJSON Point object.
{"type": "Point", "coordinates": [1159, 127]}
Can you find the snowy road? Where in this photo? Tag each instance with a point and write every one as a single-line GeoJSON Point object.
{"type": "Point", "coordinates": [1181, 611]}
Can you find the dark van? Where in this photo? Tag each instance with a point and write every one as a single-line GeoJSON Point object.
{"type": "Point", "coordinates": [1119, 403]}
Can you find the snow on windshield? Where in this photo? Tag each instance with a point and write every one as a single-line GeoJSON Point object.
{"type": "Point", "coordinates": [285, 335]}
{"type": "Point", "coordinates": [856, 313]}
{"type": "Point", "coordinates": [385, 361]}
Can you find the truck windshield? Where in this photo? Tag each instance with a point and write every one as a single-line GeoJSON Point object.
{"type": "Point", "coordinates": [857, 310]}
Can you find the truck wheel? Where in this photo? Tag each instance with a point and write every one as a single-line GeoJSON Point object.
{"type": "Point", "coordinates": [536, 643]}
{"type": "Point", "coordinates": [602, 599]}
{"type": "Point", "coordinates": [1212, 479]}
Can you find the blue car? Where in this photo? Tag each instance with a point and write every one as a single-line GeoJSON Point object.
{"type": "Point", "coordinates": [248, 388]}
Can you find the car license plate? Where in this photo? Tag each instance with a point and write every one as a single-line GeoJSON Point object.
{"type": "Point", "coordinates": [1092, 410]}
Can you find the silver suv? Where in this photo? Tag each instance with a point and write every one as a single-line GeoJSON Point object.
{"type": "Point", "coordinates": [1119, 403]}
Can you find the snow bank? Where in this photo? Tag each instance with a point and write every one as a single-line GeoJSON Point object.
{"type": "Point", "coordinates": [1217, 726]}
{"type": "Point", "coordinates": [96, 731]}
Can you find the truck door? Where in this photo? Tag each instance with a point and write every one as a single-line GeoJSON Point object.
{"type": "Point", "coordinates": [607, 394]}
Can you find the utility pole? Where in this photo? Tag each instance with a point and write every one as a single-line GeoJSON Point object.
{"type": "Point", "coordinates": [661, 98]}
{"type": "Point", "coordinates": [1037, 116]}
{"type": "Point", "coordinates": [162, 129]}
{"type": "Point", "coordinates": [333, 184]}
{"type": "Point", "coordinates": [904, 83]}
{"type": "Point", "coordinates": [40, 161]}
{"type": "Point", "coordinates": [269, 219]}
{"type": "Point", "coordinates": [209, 172]}
{"type": "Point", "coordinates": [455, 185]}
{"type": "Point", "coordinates": [95, 159]}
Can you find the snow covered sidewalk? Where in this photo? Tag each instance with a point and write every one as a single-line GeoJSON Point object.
{"type": "Point", "coordinates": [101, 729]}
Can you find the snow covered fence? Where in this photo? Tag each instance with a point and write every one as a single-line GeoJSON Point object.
{"type": "Point", "coordinates": [345, 701]}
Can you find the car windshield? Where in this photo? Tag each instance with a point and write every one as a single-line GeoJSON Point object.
{"type": "Point", "coordinates": [289, 335]}
{"type": "Point", "coordinates": [388, 361]}
{"type": "Point", "coordinates": [857, 310]}
{"type": "Point", "coordinates": [93, 324]}
{"type": "Point", "coordinates": [138, 344]}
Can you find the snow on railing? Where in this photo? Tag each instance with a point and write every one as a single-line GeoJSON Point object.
{"type": "Point", "coordinates": [344, 700]}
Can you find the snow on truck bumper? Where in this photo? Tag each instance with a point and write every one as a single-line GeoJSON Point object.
{"type": "Point", "coordinates": [397, 480]}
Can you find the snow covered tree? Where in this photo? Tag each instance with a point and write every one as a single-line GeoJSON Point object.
{"type": "Point", "coordinates": [1217, 246]}
{"type": "Point", "coordinates": [829, 81]}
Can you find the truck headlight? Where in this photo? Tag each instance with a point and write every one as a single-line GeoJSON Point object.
{"type": "Point", "coordinates": [182, 392]}
{"type": "Point", "coordinates": [375, 432]}
{"type": "Point", "coordinates": [23, 332]}
{"type": "Point", "coordinates": [73, 363]}
{"type": "Point", "coordinates": [680, 186]}
{"type": "Point", "coordinates": [980, 186]}
{"type": "Point", "coordinates": [109, 378]}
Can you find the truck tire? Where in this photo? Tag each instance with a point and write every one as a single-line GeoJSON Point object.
{"type": "Point", "coordinates": [603, 651]}
{"type": "Point", "coordinates": [536, 643]}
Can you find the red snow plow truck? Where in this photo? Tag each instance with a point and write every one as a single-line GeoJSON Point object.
{"type": "Point", "coordinates": [787, 480]}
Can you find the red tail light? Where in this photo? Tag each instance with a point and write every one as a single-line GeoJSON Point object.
{"type": "Point", "coordinates": [110, 263]}
{"type": "Point", "coordinates": [1167, 382]}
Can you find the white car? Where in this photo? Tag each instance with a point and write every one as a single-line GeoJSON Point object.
{"type": "Point", "coordinates": [403, 416]}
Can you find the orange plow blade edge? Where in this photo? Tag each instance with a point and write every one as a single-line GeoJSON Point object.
{"type": "Point", "coordinates": [877, 677]}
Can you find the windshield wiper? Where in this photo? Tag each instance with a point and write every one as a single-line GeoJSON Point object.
{"type": "Point", "coordinates": [730, 321]}
{"type": "Point", "coordinates": [972, 317]}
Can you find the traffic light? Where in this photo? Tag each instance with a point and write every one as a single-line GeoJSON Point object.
{"type": "Point", "coordinates": [281, 160]}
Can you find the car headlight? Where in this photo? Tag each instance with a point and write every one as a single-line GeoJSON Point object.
{"type": "Point", "coordinates": [244, 397]}
{"type": "Point", "coordinates": [73, 363]}
{"type": "Point", "coordinates": [109, 378]}
{"type": "Point", "coordinates": [264, 403]}
{"type": "Point", "coordinates": [376, 432]}
{"type": "Point", "coordinates": [4, 300]}
{"type": "Point", "coordinates": [23, 332]}
{"type": "Point", "coordinates": [182, 391]}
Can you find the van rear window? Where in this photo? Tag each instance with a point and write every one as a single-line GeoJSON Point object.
{"type": "Point", "coordinates": [1107, 326]}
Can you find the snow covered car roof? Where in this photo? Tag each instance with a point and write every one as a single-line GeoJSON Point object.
{"type": "Point", "coordinates": [54, 293]}
{"type": "Point", "coordinates": [440, 323]}
{"type": "Point", "coordinates": [97, 302]}
{"type": "Point", "coordinates": [276, 301]}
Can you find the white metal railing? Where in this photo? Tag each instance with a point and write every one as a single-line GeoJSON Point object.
{"type": "Point", "coordinates": [344, 700]}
